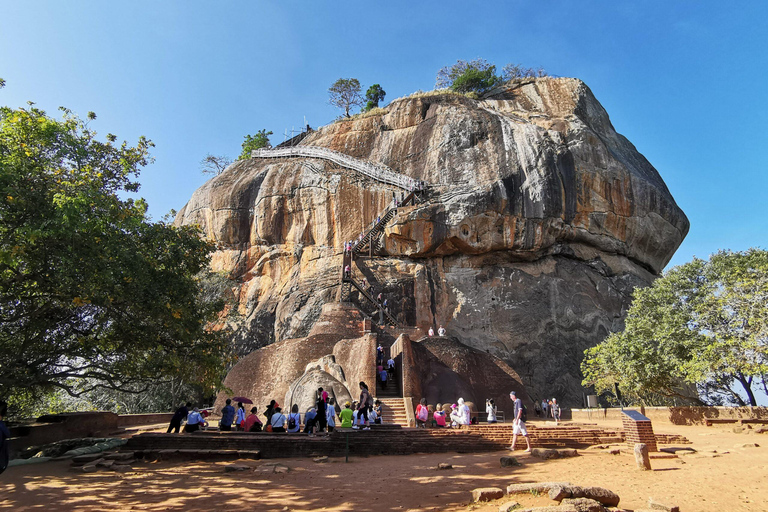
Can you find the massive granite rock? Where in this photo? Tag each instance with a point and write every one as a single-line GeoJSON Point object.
{"type": "Point", "coordinates": [539, 223]}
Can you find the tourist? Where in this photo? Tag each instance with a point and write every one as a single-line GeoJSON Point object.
{"type": "Point", "coordinates": [320, 403]}
{"type": "Point", "coordinates": [422, 413]}
{"type": "Point", "coordinates": [366, 401]}
{"type": "Point", "coordinates": [346, 415]}
{"type": "Point", "coordinates": [391, 367]}
{"type": "Point", "coordinates": [330, 414]}
{"type": "Point", "coordinates": [377, 408]}
{"type": "Point", "coordinates": [536, 408]}
{"type": "Point", "coordinates": [460, 416]}
{"type": "Point", "coordinates": [383, 378]}
{"type": "Point", "coordinates": [294, 419]}
{"type": "Point", "coordinates": [490, 408]}
{"type": "Point", "coordinates": [431, 332]}
{"type": "Point", "coordinates": [310, 421]}
{"type": "Point", "coordinates": [379, 298]}
{"type": "Point", "coordinates": [555, 408]}
{"type": "Point", "coordinates": [373, 417]}
{"type": "Point", "coordinates": [518, 423]}
{"type": "Point", "coordinates": [240, 417]}
{"type": "Point", "coordinates": [227, 416]}
{"type": "Point", "coordinates": [385, 305]}
{"type": "Point", "coordinates": [278, 420]}
{"type": "Point", "coordinates": [252, 422]}
{"type": "Point", "coordinates": [544, 407]}
{"type": "Point", "coordinates": [441, 331]}
{"type": "Point", "coordinates": [439, 416]}
{"type": "Point", "coordinates": [270, 410]}
{"type": "Point", "coordinates": [365, 283]}
{"type": "Point", "coordinates": [180, 415]}
{"type": "Point", "coordinates": [195, 421]}
{"type": "Point", "coordinates": [347, 272]}
{"type": "Point", "coordinates": [379, 352]}
{"type": "Point", "coordinates": [5, 436]}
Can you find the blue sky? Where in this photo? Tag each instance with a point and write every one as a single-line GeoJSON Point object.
{"type": "Point", "coordinates": [684, 81]}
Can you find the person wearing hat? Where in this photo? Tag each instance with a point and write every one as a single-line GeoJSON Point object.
{"type": "Point", "coordinates": [346, 415]}
{"type": "Point", "coordinates": [518, 425]}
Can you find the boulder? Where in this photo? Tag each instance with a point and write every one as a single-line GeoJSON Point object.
{"type": "Point", "coordinates": [486, 494]}
{"type": "Point", "coordinates": [321, 460]}
{"type": "Point", "coordinates": [533, 193]}
{"type": "Point", "coordinates": [642, 459]}
{"type": "Point", "coordinates": [554, 453]}
{"type": "Point", "coordinates": [604, 496]}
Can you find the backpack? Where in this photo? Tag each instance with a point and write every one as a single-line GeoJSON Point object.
{"type": "Point", "coordinates": [369, 400]}
{"type": "Point", "coordinates": [524, 414]}
{"type": "Point", "coordinates": [422, 413]}
{"type": "Point", "coordinates": [291, 422]}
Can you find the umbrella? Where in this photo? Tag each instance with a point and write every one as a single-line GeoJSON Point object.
{"type": "Point", "coordinates": [242, 399]}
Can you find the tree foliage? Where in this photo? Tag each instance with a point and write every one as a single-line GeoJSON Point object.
{"type": "Point", "coordinates": [373, 96]}
{"type": "Point", "coordinates": [258, 141]}
{"type": "Point", "coordinates": [345, 94]}
{"type": "Point", "coordinates": [693, 334]}
{"type": "Point", "coordinates": [93, 295]}
{"type": "Point", "coordinates": [480, 76]}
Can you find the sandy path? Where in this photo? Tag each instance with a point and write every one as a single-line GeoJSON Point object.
{"type": "Point", "coordinates": [734, 481]}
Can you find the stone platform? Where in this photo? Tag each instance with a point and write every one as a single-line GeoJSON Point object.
{"type": "Point", "coordinates": [381, 440]}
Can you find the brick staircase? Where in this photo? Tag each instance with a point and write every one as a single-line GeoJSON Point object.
{"type": "Point", "coordinates": [392, 411]}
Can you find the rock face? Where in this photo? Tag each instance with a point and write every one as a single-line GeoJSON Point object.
{"type": "Point", "coordinates": [539, 222]}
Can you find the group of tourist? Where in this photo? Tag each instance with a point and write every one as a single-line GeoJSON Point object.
{"type": "Point", "coordinates": [440, 331]}
{"type": "Point", "coordinates": [547, 409]}
{"type": "Point", "coordinates": [386, 373]}
{"type": "Point", "coordinates": [320, 418]}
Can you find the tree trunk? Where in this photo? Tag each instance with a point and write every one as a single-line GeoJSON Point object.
{"type": "Point", "coordinates": [747, 384]}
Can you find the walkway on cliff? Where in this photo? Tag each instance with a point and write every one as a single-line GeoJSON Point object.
{"type": "Point", "coordinates": [378, 172]}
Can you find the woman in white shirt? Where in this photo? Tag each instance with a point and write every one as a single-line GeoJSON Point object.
{"type": "Point", "coordinates": [278, 420]}
{"type": "Point", "coordinates": [490, 408]}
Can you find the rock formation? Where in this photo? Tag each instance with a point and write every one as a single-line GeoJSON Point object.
{"type": "Point", "coordinates": [538, 223]}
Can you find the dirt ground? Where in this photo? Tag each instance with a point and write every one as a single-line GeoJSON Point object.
{"type": "Point", "coordinates": [719, 477]}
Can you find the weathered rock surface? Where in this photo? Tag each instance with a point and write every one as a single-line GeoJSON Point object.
{"type": "Point", "coordinates": [604, 496]}
{"type": "Point", "coordinates": [540, 222]}
{"type": "Point", "coordinates": [554, 453]}
{"type": "Point", "coordinates": [486, 494]}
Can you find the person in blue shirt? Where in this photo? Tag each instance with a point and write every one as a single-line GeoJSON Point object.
{"type": "Point", "coordinates": [227, 416]}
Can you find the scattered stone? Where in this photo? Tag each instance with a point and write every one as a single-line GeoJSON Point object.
{"type": "Point", "coordinates": [231, 468]}
{"type": "Point", "coordinates": [444, 465]}
{"type": "Point", "coordinates": [604, 496]}
{"type": "Point", "coordinates": [563, 508]}
{"type": "Point", "coordinates": [598, 447]}
{"type": "Point", "coordinates": [657, 505]}
{"type": "Point", "coordinates": [534, 488]}
{"type": "Point", "coordinates": [554, 453]}
{"type": "Point", "coordinates": [281, 469]}
{"type": "Point", "coordinates": [737, 430]}
{"type": "Point", "coordinates": [80, 460]}
{"type": "Point", "coordinates": [761, 430]}
{"type": "Point", "coordinates": [321, 460]}
{"type": "Point", "coordinates": [103, 463]}
{"type": "Point", "coordinates": [678, 450]}
{"type": "Point", "coordinates": [508, 506]}
{"type": "Point", "coordinates": [486, 494]}
{"type": "Point", "coordinates": [615, 451]}
{"type": "Point", "coordinates": [584, 504]}
{"type": "Point", "coordinates": [89, 468]}
{"type": "Point", "coordinates": [641, 457]}
{"type": "Point", "coordinates": [747, 445]}
{"type": "Point", "coordinates": [121, 468]}
{"type": "Point", "coordinates": [507, 462]}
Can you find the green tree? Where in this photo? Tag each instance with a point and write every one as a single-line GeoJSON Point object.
{"type": "Point", "coordinates": [373, 96]}
{"type": "Point", "coordinates": [693, 334]}
{"type": "Point", "coordinates": [345, 94]}
{"type": "Point", "coordinates": [258, 141]}
{"type": "Point", "coordinates": [92, 294]}
{"type": "Point", "coordinates": [480, 76]}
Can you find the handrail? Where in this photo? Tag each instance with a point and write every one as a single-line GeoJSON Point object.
{"type": "Point", "coordinates": [377, 172]}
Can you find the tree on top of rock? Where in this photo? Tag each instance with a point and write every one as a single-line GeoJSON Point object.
{"type": "Point", "coordinates": [345, 94]}
{"type": "Point", "coordinates": [373, 96]}
{"type": "Point", "coordinates": [479, 76]}
{"type": "Point", "coordinates": [252, 142]}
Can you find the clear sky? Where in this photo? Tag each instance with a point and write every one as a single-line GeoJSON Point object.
{"type": "Point", "coordinates": [684, 81]}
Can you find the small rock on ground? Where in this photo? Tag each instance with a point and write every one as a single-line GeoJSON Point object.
{"type": "Point", "coordinates": [584, 504]}
{"type": "Point", "coordinates": [508, 506]}
{"type": "Point", "coordinates": [747, 445]}
{"type": "Point", "coordinates": [444, 465]}
{"type": "Point", "coordinates": [604, 496]}
{"type": "Point", "coordinates": [658, 505]}
{"type": "Point", "coordinates": [321, 460]}
{"type": "Point", "coordinates": [554, 453]}
{"type": "Point", "coordinates": [235, 467]}
{"type": "Point", "coordinates": [507, 462]}
{"type": "Point", "coordinates": [486, 494]}
{"type": "Point", "coordinates": [538, 487]}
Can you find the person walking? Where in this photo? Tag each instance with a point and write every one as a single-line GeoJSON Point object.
{"type": "Point", "coordinates": [555, 410]}
{"type": "Point", "coordinates": [240, 417]}
{"type": "Point", "coordinates": [518, 423]}
{"type": "Point", "coordinates": [179, 416]}
{"type": "Point", "coordinates": [320, 406]}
